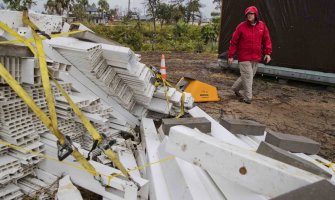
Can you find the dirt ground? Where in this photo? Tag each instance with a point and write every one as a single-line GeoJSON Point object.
{"type": "Point", "coordinates": [293, 107]}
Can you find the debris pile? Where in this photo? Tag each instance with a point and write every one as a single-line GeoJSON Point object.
{"type": "Point", "coordinates": [117, 93]}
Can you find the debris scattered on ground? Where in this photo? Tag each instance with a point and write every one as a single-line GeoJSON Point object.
{"type": "Point", "coordinates": [294, 108]}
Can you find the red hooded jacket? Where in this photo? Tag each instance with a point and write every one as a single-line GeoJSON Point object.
{"type": "Point", "coordinates": [248, 40]}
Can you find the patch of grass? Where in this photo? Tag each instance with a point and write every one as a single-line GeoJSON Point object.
{"type": "Point", "coordinates": [140, 36]}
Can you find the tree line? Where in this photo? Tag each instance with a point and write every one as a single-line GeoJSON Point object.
{"type": "Point", "coordinates": [158, 10]}
{"type": "Point", "coordinates": [171, 27]}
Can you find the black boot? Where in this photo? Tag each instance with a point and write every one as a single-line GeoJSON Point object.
{"type": "Point", "coordinates": [247, 101]}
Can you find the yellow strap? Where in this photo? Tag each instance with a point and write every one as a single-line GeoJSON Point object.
{"type": "Point", "coordinates": [84, 120]}
{"type": "Point", "coordinates": [42, 116]}
{"type": "Point", "coordinates": [23, 40]}
{"type": "Point", "coordinates": [50, 100]}
{"type": "Point", "coordinates": [44, 72]}
{"type": "Point", "coordinates": [154, 163]}
{"type": "Point", "coordinates": [18, 36]}
{"type": "Point", "coordinates": [182, 112]}
{"type": "Point", "coordinates": [95, 134]}
{"type": "Point", "coordinates": [166, 95]}
{"type": "Point", "coordinates": [91, 170]}
{"type": "Point", "coordinates": [166, 83]}
{"type": "Point", "coordinates": [111, 155]}
{"type": "Point", "coordinates": [43, 37]}
{"type": "Point", "coordinates": [329, 165]}
{"type": "Point", "coordinates": [26, 21]}
{"type": "Point", "coordinates": [27, 99]}
{"type": "Point", "coordinates": [48, 91]}
{"type": "Point", "coordinates": [90, 128]}
{"type": "Point", "coordinates": [87, 165]}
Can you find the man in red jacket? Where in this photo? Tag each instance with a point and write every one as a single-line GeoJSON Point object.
{"type": "Point", "coordinates": [250, 39]}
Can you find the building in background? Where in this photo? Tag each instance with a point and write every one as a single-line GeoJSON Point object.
{"type": "Point", "coordinates": [94, 15]}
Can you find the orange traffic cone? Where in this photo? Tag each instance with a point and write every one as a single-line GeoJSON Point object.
{"type": "Point", "coordinates": [162, 69]}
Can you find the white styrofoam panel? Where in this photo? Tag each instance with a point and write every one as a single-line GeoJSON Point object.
{"type": "Point", "coordinates": [160, 106]}
{"type": "Point", "coordinates": [48, 23]}
{"type": "Point", "coordinates": [183, 180]}
{"type": "Point", "coordinates": [151, 142]}
{"type": "Point", "coordinates": [247, 168]}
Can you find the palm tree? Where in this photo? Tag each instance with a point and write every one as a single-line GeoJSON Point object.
{"type": "Point", "coordinates": [79, 9]}
{"type": "Point", "coordinates": [193, 10]}
{"type": "Point", "coordinates": [103, 5]}
{"type": "Point", "coordinates": [19, 4]}
{"type": "Point", "coordinates": [50, 7]}
{"type": "Point", "coordinates": [59, 6]}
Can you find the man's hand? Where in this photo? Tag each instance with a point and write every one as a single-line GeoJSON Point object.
{"type": "Point", "coordinates": [230, 61]}
{"type": "Point", "coordinates": [267, 59]}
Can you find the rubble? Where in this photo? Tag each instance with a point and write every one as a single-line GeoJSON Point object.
{"type": "Point", "coordinates": [291, 159]}
{"type": "Point", "coordinates": [115, 92]}
{"type": "Point", "coordinates": [319, 190]}
{"type": "Point", "coordinates": [67, 191]}
{"type": "Point", "coordinates": [240, 165]}
{"type": "Point", "coordinates": [244, 127]}
{"type": "Point", "coordinates": [201, 123]}
{"type": "Point", "coordinates": [293, 143]}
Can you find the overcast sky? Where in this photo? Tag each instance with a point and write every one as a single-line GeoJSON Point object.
{"type": "Point", "coordinates": [123, 4]}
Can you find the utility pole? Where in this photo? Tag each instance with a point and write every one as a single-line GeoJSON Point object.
{"type": "Point", "coordinates": [221, 26]}
{"type": "Point", "coordinates": [128, 7]}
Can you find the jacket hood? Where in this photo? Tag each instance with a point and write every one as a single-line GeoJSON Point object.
{"type": "Point", "coordinates": [252, 9]}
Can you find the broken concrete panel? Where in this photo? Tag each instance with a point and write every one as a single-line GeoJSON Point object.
{"type": "Point", "coordinates": [201, 123]}
{"type": "Point", "coordinates": [320, 190]}
{"type": "Point", "coordinates": [293, 143]}
{"type": "Point", "coordinates": [67, 191]}
{"type": "Point", "coordinates": [244, 127]}
{"type": "Point", "coordinates": [290, 159]}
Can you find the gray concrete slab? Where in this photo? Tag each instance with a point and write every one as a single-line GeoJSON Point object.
{"type": "Point", "coordinates": [320, 190]}
{"type": "Point", "coordinates": [290, 159]}
{"type": "Point", "coordinates": [203, 124]}
{"type": "Point", "coordinates": [293, 143]}
{"type": "Point", "coordinates": [243, 127]}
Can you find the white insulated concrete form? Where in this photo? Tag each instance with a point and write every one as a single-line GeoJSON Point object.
{"type": "Point", "coordinates": [245, 167]}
